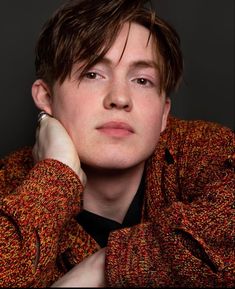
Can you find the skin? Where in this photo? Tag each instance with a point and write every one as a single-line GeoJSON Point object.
{"type": "Point", "coordinates": [105, 125]}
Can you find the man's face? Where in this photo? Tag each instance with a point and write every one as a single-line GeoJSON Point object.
{"type": "Point", "coordinates": [115, 113]}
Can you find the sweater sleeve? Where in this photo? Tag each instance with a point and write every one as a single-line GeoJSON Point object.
{"type": "Point", "coordinates": [31, 220]}
{"type": "Point", "coordinates": [189, 242]}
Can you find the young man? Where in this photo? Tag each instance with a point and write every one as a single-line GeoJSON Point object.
{"type": "Point", "coordinates": [115, 191]}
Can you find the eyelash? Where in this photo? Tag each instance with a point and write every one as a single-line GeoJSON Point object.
{"type": "Point", "coordinates": [147, 82]}
{"type": "Point", "coordinates": [89, 73]}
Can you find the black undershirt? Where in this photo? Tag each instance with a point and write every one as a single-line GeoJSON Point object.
{"type": "Point", "coordinates": [99, 227]}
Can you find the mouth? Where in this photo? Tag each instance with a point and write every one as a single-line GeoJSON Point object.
{"type": "Point", "coordinates": [116, 129]}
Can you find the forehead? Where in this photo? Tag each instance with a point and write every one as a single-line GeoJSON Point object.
{"type": "Point", "coordinates": [134, 42]}
{"type": "Point", "coordinates": [134, 47]}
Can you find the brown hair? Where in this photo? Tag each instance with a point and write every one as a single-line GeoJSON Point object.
{"type": "Point", "coordinates": [84, 30]}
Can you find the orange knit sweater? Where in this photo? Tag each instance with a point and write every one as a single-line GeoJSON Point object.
{"type": "Point", "coordinates": [185, 238]}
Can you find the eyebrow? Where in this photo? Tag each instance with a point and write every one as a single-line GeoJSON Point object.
{"type": "Point", "coordinates": [145, 64]}
{"type": "Point", "coordinates": [134, 64]}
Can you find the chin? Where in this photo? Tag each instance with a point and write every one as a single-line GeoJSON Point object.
{"type": "Point", "coordinates": [107, 165]}
{"type": "Point", "coordinates": [113, 163]}
{"type": "Point", "coordinates": [114, 158]}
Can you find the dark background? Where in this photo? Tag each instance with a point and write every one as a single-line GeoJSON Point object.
{"type": "Point", "coordinates": [206, 28]}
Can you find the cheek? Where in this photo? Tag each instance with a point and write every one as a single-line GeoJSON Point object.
{"type": "Point", "coordinates": [152, 115]}
{"type": "Point", "coordinates": [152, 124]}
{"type": "Point", "coordinates": [69, 108]}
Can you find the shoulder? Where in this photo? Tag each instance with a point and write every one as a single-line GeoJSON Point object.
{"type": "Point", "coordinates": [193, 134]}
{"type": "Point", "coordinates": [198, 128]}
{"type": "Point", "coordinates": [21, 157]}
{"type": "Point", "coordinates": [200, 147]}
{"type": "Point", "coordinates": [197, 146]}
{"type": "Point", "coordinates": [14, 167]}
{"type": "Point", "coordinates": [202, 153]}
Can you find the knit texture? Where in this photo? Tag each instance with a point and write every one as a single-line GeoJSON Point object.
{"type": "Point", "coordinates": [185, 238]}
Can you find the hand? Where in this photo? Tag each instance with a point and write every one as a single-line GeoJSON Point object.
{"type": "Point", "coordinates": [88, 273]}
{"type": "Point", "coordinates": [53, 142]}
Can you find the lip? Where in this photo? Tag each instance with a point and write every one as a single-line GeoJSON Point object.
{"type": "Point", "coordinates": [116, 129]}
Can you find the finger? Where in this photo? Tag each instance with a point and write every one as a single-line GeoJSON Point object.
{"type": "Point", "coordinates": [35, 153]}
{"type": "Point", "coordinates": [41, 116]}
{"type": "Point", "coordinates": [83, 178]}
{"type": "Point", "coordinates": [37, 133]}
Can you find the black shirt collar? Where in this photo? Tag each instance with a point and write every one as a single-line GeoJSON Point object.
{"type": "Point", "coordinates": [99, 227]}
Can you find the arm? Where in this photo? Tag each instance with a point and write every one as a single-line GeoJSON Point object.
{"type": "Point", "coordinates": [88, 273]}
{"type": "Point", "coordinates": [31, 220]}
{"type": "Point", "coordinates": [33, 215]}
{"type": "Point", "coordinates": [187, 241]}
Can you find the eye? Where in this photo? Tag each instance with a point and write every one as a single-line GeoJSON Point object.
{"type": "Point", "coordinates": [144, 81]}
{"type": "Point", "coordinates": [91, 75]}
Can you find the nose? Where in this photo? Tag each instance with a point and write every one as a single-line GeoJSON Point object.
{"type": "Point", "coordinates": [118, 97]}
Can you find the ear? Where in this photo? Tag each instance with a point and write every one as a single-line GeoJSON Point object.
{"type": "Point", "coordinates": [166, 111]}
{"type": "Point", "coordinates": [42, 95]}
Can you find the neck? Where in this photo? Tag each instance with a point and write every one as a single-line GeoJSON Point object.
{"type": "Point", "coordinates": [110, 193]}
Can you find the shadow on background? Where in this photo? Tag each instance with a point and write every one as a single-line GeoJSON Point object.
{"type": "Point", "coordinates": [206, 28]}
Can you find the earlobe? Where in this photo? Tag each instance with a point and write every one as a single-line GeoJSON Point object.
{"type": "Point", "coordinates": [166, 112]}
{"type": "Point", "coordinates": [41, 95]}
